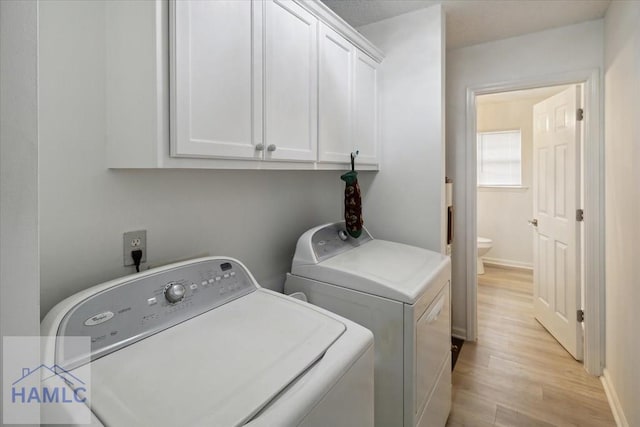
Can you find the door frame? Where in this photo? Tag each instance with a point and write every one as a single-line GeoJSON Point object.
{"type": "Point", "coordinates": [593, 205]}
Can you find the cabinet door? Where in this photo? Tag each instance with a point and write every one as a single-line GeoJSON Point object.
{"type": "Point", "coordinates": [291, 123]}
{"type": "Point", "coordinates": [335, 118]}
{"type": "Point", "coordinates": [366, 109]}
{"type": "Point", "coordinates": [216, 71]}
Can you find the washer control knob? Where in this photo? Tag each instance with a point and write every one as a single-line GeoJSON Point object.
{"type": "Point", "coordinates": [174, 292]}
{"type": "Point", "coordinates": [342, 235]}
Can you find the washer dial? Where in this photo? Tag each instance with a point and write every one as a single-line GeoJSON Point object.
{"type": "Point", "coordinates": [174, 292]}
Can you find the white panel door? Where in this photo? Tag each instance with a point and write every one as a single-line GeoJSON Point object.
{"type": "Point", "coordinates": [291, 82]}
{"type": "Point", "coordinates": [366, 109]}
{"type": "Point", "coordinates": [556, 192]}
{"type": "Point", "coordinates": [335, 124]}
{"type": "Point", "coordinates": [216, 60]}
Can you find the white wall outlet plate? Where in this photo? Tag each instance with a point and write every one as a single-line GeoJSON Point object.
{"type": "Point", "coordinates": [134, 240]}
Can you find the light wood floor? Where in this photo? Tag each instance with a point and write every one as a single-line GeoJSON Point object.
{"type": "Point", "coordinates": [516, 374]}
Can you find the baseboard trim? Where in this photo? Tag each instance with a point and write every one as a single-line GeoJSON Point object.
{"type": "Point", "coordinates": [459, 333]}
{"type": "Point", "coordinates": [507, 263]}
{"type": "Point", "coordinates": [612, 397]}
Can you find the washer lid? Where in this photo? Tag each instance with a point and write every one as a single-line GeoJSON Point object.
{"type": "Point", "coordinates": [217, 369]}
{"type": "Point", "coordinates": [387, 269]}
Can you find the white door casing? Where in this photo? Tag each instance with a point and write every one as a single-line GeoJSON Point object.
{"type": "Point", "coordinates": [556, 193]}
{"type": "Point", "coordinates": [593, 203]}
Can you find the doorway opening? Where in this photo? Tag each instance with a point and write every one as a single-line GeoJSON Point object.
{"type": "Point", "coordinates": [511, 173]}
{"type": "Point", "coordinates": [589, 248]}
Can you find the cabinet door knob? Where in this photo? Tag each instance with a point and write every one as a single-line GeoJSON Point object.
{"type": "Point", "coordinates": [271, 147]}
{"type": "Point", "coordinates": [259, 147]}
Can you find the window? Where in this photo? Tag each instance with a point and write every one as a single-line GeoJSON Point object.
{"type": "Point", "coordinates": [499, 159]}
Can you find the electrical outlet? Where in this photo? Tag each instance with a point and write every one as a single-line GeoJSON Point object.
{"type": "Point", "coordinates": [134, 240]}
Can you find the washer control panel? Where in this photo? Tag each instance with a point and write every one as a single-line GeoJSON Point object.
{"type": "Point", "coordinates": [135, 309]}
{"type": "Point", "coordinates": [333, 239]}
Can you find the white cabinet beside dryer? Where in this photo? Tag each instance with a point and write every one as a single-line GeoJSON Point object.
{"type": "Point", "coordinates": [348, 101]}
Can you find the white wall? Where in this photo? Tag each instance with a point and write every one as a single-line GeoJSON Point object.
{"type": "Point", "coordinates": [503, 212]}
{"type": "Point", "coordinates": [622, 154]}
{"type": "Point", "coordinates": [529, 57]}
{"type": "Point", "coordinates": [19, 275]}
{"type": "Point", "coordinates": [404, 202]}
{"type": "Point", "coordinates": [255, 216]}
{"type": "Point", "coordinates": [19, 267]}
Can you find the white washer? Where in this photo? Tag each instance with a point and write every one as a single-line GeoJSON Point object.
{"type": "Point", "coordinates": [400, 293]}
{"type": "Point", "coordinates": [200, 343]}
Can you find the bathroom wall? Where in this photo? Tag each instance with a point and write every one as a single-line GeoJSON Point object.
{"type": "Point", "coordinates": [503, 212]}
{"type": "Point", "coordinates": [255, 216]}
{"type": "Point", "coordinates": [532, 56]}
{"type": "Point", "coordinates": [622, 156]}
{"type": "Point", "coordinates": [404, 202]}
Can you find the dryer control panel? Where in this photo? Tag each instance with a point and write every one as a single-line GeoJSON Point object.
{"type": "Point", "coordinates": [333, 239]}
{"type": "Point", "coordinates": [134, 309]}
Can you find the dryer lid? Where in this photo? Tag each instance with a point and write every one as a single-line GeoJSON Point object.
{"type": "Point", "coordinates": [217, 369]}
{"type": "Point", "coordinates": [387, 269]}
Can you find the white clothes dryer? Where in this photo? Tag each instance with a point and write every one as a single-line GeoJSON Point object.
{"type": "Point", "coordinates": [401, 293]}
{"type": "Point", "coordinates": [201, 343]}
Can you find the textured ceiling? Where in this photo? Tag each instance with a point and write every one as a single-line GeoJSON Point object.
{"type": "Point", "coordinates": [471, 22]}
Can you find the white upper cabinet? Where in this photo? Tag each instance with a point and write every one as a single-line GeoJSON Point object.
{"type": "Point", "coordinates": [348, 101]}
{"type": "Point", "coordinates": [238, 84]}
{"type": "Point", "coordinates": [216, 63]}
{"type": "Point", "coordinates": [291, 82]}
{"type": "Point", "coordinates": [335, 133]}
{"type": "Point", "coordinates": [365, 138]}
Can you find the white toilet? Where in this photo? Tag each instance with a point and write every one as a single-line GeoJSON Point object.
{"type": "Point", "coordinates": [484, 246]}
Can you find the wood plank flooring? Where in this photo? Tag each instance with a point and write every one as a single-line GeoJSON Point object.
{"type": "Point", "coordinates": [516, 374]}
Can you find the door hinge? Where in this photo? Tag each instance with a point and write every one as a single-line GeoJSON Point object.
{"type": "Point", "coordinates": [579, 215]}
{"type": "Point", "coordinates": [579, 114]}
{"type": "Point", "coordinates": [580, 316]}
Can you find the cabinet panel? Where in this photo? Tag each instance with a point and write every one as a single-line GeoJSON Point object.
{"type": "Point", "coordinates": [366, 109]}
{"type": "Point", "coordinates": [335, 126]}
{"type": "Point", "coordinates": [290, 82]}
{"type": "Point", "coordinates": [217, 81]}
